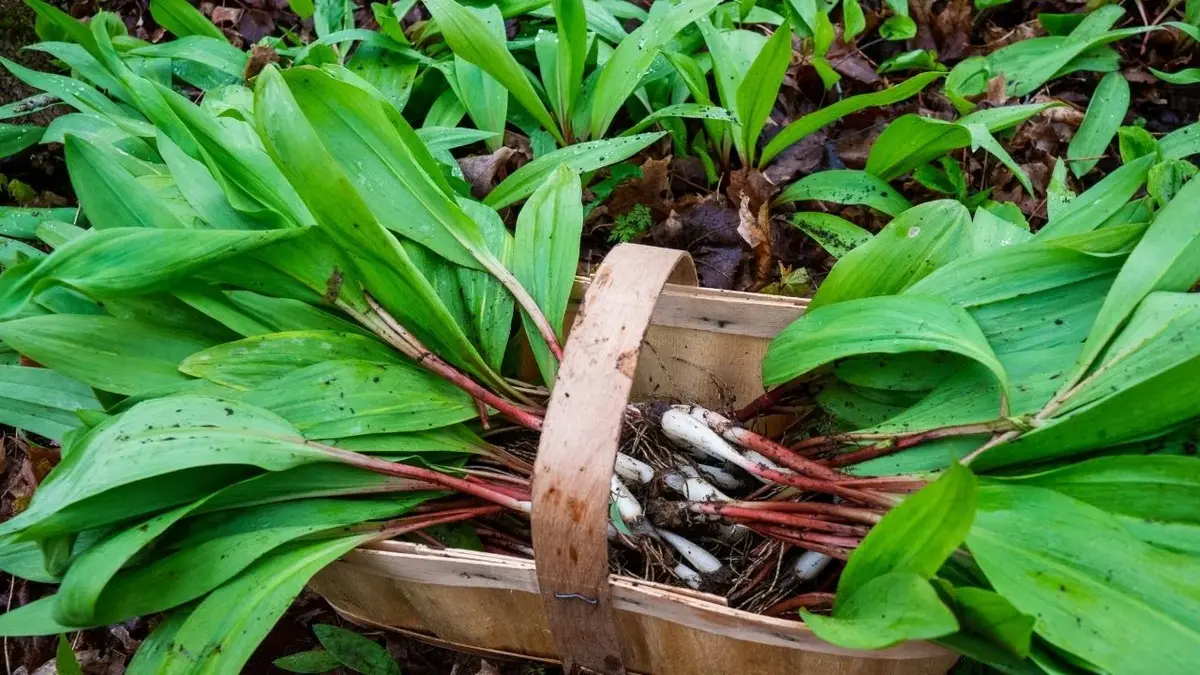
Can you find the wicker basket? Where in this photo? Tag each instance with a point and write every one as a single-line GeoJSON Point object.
{"type": "Point", "coordinates": [633, 336]}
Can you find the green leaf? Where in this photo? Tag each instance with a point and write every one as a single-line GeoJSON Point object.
{"type": "Point", "coordinates": [917, 59]}
{"type": "Point", "coordinates": [21, 221]}
{"type": "Point", "coordinates": [1167, 178]}
{"type": "Point", "coordinates": [916, 536]}
{"type": "Point", "coordinates": [254, 361]}
{"type": "Point", "coordinates": [111, 196]}
{"type": "Point", "coordinates": [15, 138]}
{"type": "Point", "coordinates": [1181, 77]}
{"type": "Point", "coordinates": [391, 73]}
{"type": "Point", "coordinates": [128, 261]}
{"type": "Point", "coordinates": [385, 161]}
{"type": "Point", "coordinates": [910, 141]}
{"type": "Point", "coordinates": [846, 186]}
{"type": "Point", "coordinates": [881, 325]}
{"type": "Point", "coordinates": [1135, 142]}
{"type": "Point", "coordinates": [1166, 259]}
{"type": "Point", "coordinates": [334, 399]}
{"type": "Point", "coordinates": [988, 614]}
{"type": "Point", "coordinates": [65, 662]}
{"type": "Point", "coordinates": [42, 401]}
{"type": "Point", "coordinates": [488, 304]}
{"type": "Point", "coordinates": [153, 650]}
{"type": "Point", "coordinates": [116, 355]}
{"type": "Point", "coordinates": [688, 110]}
{"type": "Point", "coordinates": [73, 92]}
{"type": "Point", "coordinates": [549, 227]}
{"type": "Point", "coordinates": [581, 158]}
{"type": "Point", "coordinates": [916, 243]}
{"type": "Point", "coordinates": [852, 17]}
{"type": "Point", "coordinates": [202, 61]}
{"type": "Point", "coordinates": [807, 124]}
{"type": "Point", "coordinates": [227, 626]}
{"type": "Point", "coordinates": [836, 235]}
{"type": "Point", "coordinates": [314, 661]}
{"type": "Point", "coordinates": [385, 270]}
{"type": "Point", "coordinates": [1087, 211]}
{"type": "Point", "coordinates": [1181, 143]}
{"type": "Point", "coordinates": [67, 25]}
{"type": "Point", "coordinates": [355, 651]}
{"type": "Point", "coordinates": [485, 99]}
{"type": "Point", "coordinates": [1105, 112]}
{"type": "Point", "coordinates": [1094, 588]}
{"type": "Point", "coordinates": [180, 18]}
{"type": "Point", "coordinates": [571, 19]}
{"type": "Point", "coordinates": [888, 610]}
{"type": "Point", "coordinates": [1154, 497]}
{"type": "Point", "coordinates": [1058, 194]}
{"type": "Point", "coordinates": [474, 42]}
{"type": "Point", "coordinates": [1006, 117]}
{"type": "Point", "coordinates": [757, 93]}
{"type": "Point", "coordinates": [630, 62]}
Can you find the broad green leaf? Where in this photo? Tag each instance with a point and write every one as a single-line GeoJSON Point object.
{"type": "Point", "coordinates": [837, 236]}
{"type": "Point", "coordinates": [1154, 497]}
{"type": "Point", "coordinates": [254, 361]}
{"type": "Point", "coordinates": [1135, 142]}
{"type": "Point", "coordinates": [910, 247]}
{"type": "Point", "coordinates": [910, 141]}
{"type": "Point", "coordinates": [987, 614]}
{"type": "Point", "coordinates": [982, 138]}
{"type": "Point", "coordinates": [182, 19]}
{"type": "Point", "coordinates": [391, 173]}
{"type": "Point", "coordinates": [154, 649]}
{"type": "Point", "coordinates": [988, 232]}
{"type": "Point", "coordinates": [382, 265]}
{"type": "Point", "coordinates": [887, 610]}
{"type": "Point", "coordinates": [898, 27]}
{"type": "Point", "coordinates": [313, 661]}
{"type": "Point", "coordinates": [473, 41]}
{"type": "Point", "coordinates": [1166, 259]}
{"type": "Point", "coordinates": [391, 74]}
{"type": "Point", "coordinates": [1102, 200]}
{"type": "Point", "coordinates": [22, 221]}
{"type": "Point", "coordinates": [202, 61]}
{"type": "Point", "coordinates": [571, 18]}
{"type": "Point", "coordinates": [1058, 194]}
{"type": "Point", "coordinates": [916, 536]}
{"type": "Point", "coordinates": [355, 651]}
{"type": "Point", "coordinates": [630, 62]}
{"type": "Point", "coordinates": [757, 93]}
{"type": "Point", "coordinates": [42, 401]}
{"type": "Point", "coordinates": [133, 153]}
{"type": "Point", "coordinates": [806, 125]}
{"type": "Point", "coordinates": [1181, 143]}
{"type": "Point", "coordinates": [548, 231]}
{"type": "Point", "coordinates": [227, 626]}
{"type": "Point", "coordinates": [915, 372]}
{"type": "Point", "coordinates": [855, 21]}
{"type": "Point", "coordinates": [1106, 111]}
{"type": "Point", "coordinates": [109, 195]}
{"type": "Point", "coordinates": [438, 139]}
{"type": "Point", "coordinates": [846, 186]}
{"type": "Point", "coordinates": [581, 158]}
{"type": "Point", "coordinates": [917, 59]}
{"type": "Point", "coordinates": [485, 98]}
{"type": "Point", "coordinates": [65, 662]}
{"type": "Point", "coordinates": [129, 261]}
{"type": "Point", "coordinates": [116, 355]}
{"type": "Point", "coordinates": [489, 305]}
{"type": "Point", "coordinates": [164, 436]}
{"type": "Point", "coordinates": [67, 25]}
{"type": "Point", "coordinates": [73, 92]}
{"type": "Point", "coordinates": [1095, 589]}
{"type": "Point", "coordinates": [334, 399]}
{"type": "Point", "coordinates": [1006, 117]}
{"type": "Point", "coordinates": [202, 191]}
{"type": "Point", "coordinates": [688, 110]}
{"type": "Point", "coordinates": [15, 138]}
{"type": "Point", "coordinates": [95, 568]}
{"type": "Point", "coordinates": [1167, 178]}
{"type": "Point", "coordinates": [880, 325]}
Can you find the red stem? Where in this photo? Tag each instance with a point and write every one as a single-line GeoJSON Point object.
{"type": "Point", "coordinates": [761, 404]}
{"type": "Point", "coordinates": [789, 537]}
{"type": "Point", "coordinates": [765, 446]}
{"type": "Point", "coordinates": [409, 344]}
{"type": "Point", "coordinates": [395, 528]}
{"type": "Point", "coordinates": [899, 443]}
{"type": "Point", "coordinates": [835, 510]}
{"type": "Point", "coordinates": [775, 517]}
{"type": "Point", "coordinates": [803, 601]}
{"type": "Point", "coordinates": [825, 487]}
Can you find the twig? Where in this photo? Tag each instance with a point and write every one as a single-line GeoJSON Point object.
{"type": "Point", "coordinates": [803, 601]}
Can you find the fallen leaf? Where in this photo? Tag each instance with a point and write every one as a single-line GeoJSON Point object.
{"type": "Point", "coordinates": [484, 172]}
{"type": "Point", "coordinates": [798, 160]}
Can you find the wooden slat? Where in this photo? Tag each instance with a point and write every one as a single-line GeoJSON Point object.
{"type": "Point", "coordinates": [571, 478]}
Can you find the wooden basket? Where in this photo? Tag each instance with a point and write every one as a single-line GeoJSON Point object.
{"type": "Point", "coordinates": [632, 335]}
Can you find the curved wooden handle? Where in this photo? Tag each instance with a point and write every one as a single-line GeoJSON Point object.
{"type": "Point", "coordinates": [579, 446]}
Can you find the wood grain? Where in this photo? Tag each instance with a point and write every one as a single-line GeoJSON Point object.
{"type": "Point", "coordinates": [578, 446]}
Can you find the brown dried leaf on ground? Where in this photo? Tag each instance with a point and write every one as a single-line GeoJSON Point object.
{"type": "Point", "coordinates": [850, 62]}
{"type": "Point", "coordinates": [484, 172]}
{"type": "Point", "coordinates": [708, 229]}
{"type": "Point", "coordinates": [946, 28]}
{"type": "Point", "coordinates": [754, 226]}
{"type": "Point", "coordinates": [652, 190]}
{"type": "Point", "coordinates": [798, 160]}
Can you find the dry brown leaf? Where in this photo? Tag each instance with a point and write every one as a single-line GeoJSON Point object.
{"type": "Point", "coordinates": [484, 172]}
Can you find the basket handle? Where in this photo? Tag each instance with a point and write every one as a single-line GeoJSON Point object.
{"type": "Point", "coordinates": [578, 448]}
